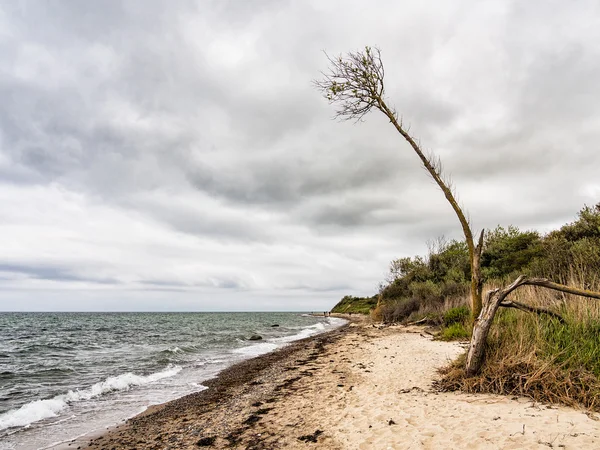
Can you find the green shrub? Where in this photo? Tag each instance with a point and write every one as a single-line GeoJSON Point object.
{"type": "Point", "coordinates": [427, 292]}
{"type": "Point", "coordinates": [454, 332]}
{"type": "Point", "coordinates": [458, 315]}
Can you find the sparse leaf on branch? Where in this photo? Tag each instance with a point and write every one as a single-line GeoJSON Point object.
{"type": "Point", "coordinates": [354, 83]}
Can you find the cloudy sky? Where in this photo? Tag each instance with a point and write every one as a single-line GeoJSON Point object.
{"type": "Point", "coordinates": [173, 155]}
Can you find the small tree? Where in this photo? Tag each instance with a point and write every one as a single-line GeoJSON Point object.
{"type": "Point", "coordinates": [355, 83]}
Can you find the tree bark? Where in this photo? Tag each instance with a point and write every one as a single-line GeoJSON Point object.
{"type": "Point", "coordinates": [493, 301]}
{"type": "Point", "coordinates": [533, 309]}
{"type": "Point", "coordinates": [476, 280]}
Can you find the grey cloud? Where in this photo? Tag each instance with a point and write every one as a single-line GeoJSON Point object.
{"type": "Point", "coordinates": [201, 222]}
{"type": "Point", "coordinates": [326, 288]}
{"type": "Point", "coordinates": [349, 213]}
{"type": "Point", "coordinates": [220, 283]}
{"type": "Point", "coordinates": [198, 119]}
{"type": "Point", "coordinates": [290, 179]}
{"type": "Point", "coordinates": [51, 273]}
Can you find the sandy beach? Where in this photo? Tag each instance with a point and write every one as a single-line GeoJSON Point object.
{"type": "Point", "coordinates": [359, 387]}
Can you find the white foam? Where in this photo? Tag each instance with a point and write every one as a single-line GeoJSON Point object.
{"type": "Point", "coordinates": [266, 347]}
{"type": "Point", "coordinates": [336, 322]}
{"type": "Point", "coordinates": [256, 349]}
{"type": "Point", "coordinates": [44, 409]}
{"type": "Point", "coordinates": [31, 412]}
{"type": "Point", "coordinates": [303, 333]}
{"type": "Point", "coordinates": [174, 350]}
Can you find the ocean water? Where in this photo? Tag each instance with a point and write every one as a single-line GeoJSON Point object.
{"type": "Point", "coordinates": [67, 374]}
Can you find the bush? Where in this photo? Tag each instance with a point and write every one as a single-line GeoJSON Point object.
{"type": "Point", "coordinates": [452, 289]}
{"type": "Point", "coordinates": [454, 332]}
{"type": "Point", "coordinates": [428, 292]}
{"type": "Point", "coordinates": [396, 289]}
{"type": "Point", "coordinates": [458, 315]}
{"type": "Point", "coordinates": [399, 310]}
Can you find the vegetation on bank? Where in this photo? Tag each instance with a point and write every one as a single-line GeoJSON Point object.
{"type": "Point", "coordinates": [355, 305]}
{"type": "Point", "coordinates": [429, 287]}
{"type": "Point", "coordinates": [527, 354]}
{"type": "Point", "coordinates": [539, 357]}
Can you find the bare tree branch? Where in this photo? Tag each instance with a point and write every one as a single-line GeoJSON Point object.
{"type": "Point", "coordinates": [353, 83]}
{"type": "Point", "coordinates": [543, 282]}
{"type": "Point", "coordinates": [534, 309]}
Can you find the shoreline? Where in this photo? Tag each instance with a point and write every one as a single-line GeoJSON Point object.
{"type": "Point", "coordinates": [355, 387]}
{"type": "Point", "coordinates": [218, 387]}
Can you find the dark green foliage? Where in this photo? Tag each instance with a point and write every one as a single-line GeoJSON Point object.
{"type": "Point", "coordinates": [457, 315]}
{"type": "Point", "coordinates": [587, 225]}
{"type": "Point", "coordinates": [455, 332]}
{"type": "Point", "coordinates": [572, 253]}
{"type": "Point", "coordinates": [509, 251]}
{"type": "Point", "coordinates": [456, 324]}
{"type": "Point", "coordinates": [555, 262]}
{"type": "Point", "coordinates": [429, 281]}
{"type": "Point", "coordinates": [355, 305]}
{"type": "Point", "coordinates": [396, 289]}
{"type": "Point", "coordinates": [426, 284]}
{"type": "Point", "coordinates": [426, 292]}
{"type": "Point", "coordinates": [574, 345]}
{"type": "Point", "coordinates": [451, 263]}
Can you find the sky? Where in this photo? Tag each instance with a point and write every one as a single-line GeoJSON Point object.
{"type": "Point", "coordinates": [174, 156]}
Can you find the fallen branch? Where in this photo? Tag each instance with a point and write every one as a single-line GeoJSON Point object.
{"type": "Point", "coordinates": [494, 299]}
{"type": "Point", "coordinates": [418, 321]}
{"type": "Point", "coordinates": [533, 309]}
{"type": "Point", "coordinates": [543, 282]}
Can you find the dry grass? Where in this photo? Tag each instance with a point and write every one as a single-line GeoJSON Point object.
{"type": "Point", "coordinates": [410, 310]}
{"type": "Point", "coordinates": [536, 356]}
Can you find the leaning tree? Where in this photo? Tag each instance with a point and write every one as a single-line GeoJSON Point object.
{"type": "Point", "coordinates": [355, 84]}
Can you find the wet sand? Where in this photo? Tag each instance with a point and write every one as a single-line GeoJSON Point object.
{"type": "Point", "coordinates": [358, 387]}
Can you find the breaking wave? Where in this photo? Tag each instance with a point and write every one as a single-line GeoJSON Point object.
{"type": "Point", "coordinates": [43, 409]}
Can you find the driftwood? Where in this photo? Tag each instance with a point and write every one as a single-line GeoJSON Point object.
{"type": "Point", "coordinates": [418, 322]}
{"type": "Point", "coordinates": [534, 309]}
{"type": "Point", "coordinates": [496, 298]}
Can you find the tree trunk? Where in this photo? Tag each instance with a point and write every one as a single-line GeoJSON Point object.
{"type": "Point", "coordinates": [481, 329]}
{"type": "Point", "coordinates": [476, 281]}
{"type": "Point", "coordinates": [434, 168]}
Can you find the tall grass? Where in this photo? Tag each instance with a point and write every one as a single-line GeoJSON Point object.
{"type": "Point", "coordinates": [539, 357]}
{"type": "Point", "coordinates": [411, 310]}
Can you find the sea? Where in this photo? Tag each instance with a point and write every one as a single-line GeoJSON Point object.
{"type": "Point", "coordinates": [64, 375]}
